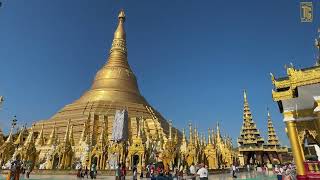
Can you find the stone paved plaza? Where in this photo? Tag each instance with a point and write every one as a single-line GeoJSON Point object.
{"type": "Point", "coordinates": [242, 175]}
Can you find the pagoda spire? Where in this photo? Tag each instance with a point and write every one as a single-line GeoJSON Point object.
{"type": "Point", "coordinates": [84, 131]}
{"type": "Point", "coordinates": [19, 140]}
{"type": "Point", "coordinates": [1, 137]}
{"type": "Point", "coordinates": [52, 138]}
{"type": "Point", "coordinates": [190, 134]}
{"type": "Point", "coordinates": [176, 136]}
{"type": "Point", "coordinates": [209, 136]}
{"type": "Point", "coordinates": [66, 136]}
{"type": "Point", "coordinates": [40, 139]}
{"type": "Point", "coordinates": [115, 81]}
{"type": "Point", "coordinates": [71, 139]}
{"type": "Point", "coordinates": [272, 136]}
{"type": "Point", "coordinates": [204, 140]}
{"type": "Point", "coordinates": [118, 51]}
{"type": "Point", "coordinates": [10, 138]}
{"type": "Point", "coordinates": [201, 139]}
{"type": "Point", "coordinates": [139, 130]}
{"type": "Point", "coordinates": [101, 141]}
{"type": "Point", "coordinates": [249, 134]}
{"type": "Point", "coordinates": [195, 135]}
{"type": "Point", "coordinates": [30, 138]}
{"type": "Point", "coordinates": [218, 138]}
{"type": "Point", "coordinates": [170, 130]}
{"type": "Point", "coordinates": [213, 136]}
{"type": "Point", "coordinates": [184, 140]}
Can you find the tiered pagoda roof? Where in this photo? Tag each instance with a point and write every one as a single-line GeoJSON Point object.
{"type": "Point", "coordinates": [249, 135]}
{"type": "Point", "coordinates": [272, 136]}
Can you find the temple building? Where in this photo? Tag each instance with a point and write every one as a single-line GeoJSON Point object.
{"type": "Point", "coordinates": [113, 123]}
{"type": "Point", "coordinates": [298, 98]}
{"type": "Point", "coordinates": [215, 151]}
{"type": "Point", "coordinates": [88, 121]}
{"type": "Point", "coordinates": [252, 147]}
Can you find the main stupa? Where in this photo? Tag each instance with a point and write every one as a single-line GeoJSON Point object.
{"type": "Point", "coordinates": [115, 87]}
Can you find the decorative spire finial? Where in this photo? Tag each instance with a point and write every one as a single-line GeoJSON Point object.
{"type": "Point", "coordinates": [245, 95]}
{"type": "Point", "coordinates": [170, 129]}
{"type": "Point", "coordinates": [209, 136]}
{"type": "Point", "coordinates": [120, 33]}
{"type": "Point", "coordinates": [190, 133]}
{"type": "Point", "coordinates": [122, 16]}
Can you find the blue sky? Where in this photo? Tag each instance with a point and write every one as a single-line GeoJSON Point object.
{"type": "Point", "coordinates": [192, 58]}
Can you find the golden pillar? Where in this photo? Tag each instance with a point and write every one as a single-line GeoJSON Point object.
{"type": "Point", "coordinates": [317, 121]}
{"type": "Point", "coordinates": [296, 147]}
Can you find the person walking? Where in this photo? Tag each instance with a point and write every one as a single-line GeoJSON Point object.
{"type": "Point", "coordinates": [234, 168]}
{"type": "Point", "coordinates": [192, 170]}
{"type": "Point", "coordinates": [203, 172]}
{"type": "Point", "coordinates": [134, 172]}
{"type": "Point", "coordinates": [93, 171]}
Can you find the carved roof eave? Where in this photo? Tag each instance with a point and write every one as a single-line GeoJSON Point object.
{"type": "Point", "coordinates": [295, 78]}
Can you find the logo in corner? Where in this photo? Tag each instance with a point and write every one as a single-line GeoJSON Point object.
{"type": "Point", "coordinates": [306, 11]}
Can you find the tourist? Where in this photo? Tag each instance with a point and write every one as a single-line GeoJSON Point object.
{"type": "Point", "coordinates": [93, 171]}
{"type": "Point", "coordinates": [28, 170]}
{"type": "Point", "coordinates": [278, 171]}
{"type": "Point", "coordinates": [192, 171]}
{"type": "Point", "coordinates": [18, 170]}
{"type": "Point", "coordinates": [203, 172]}
{"type": "Point", "coordinates": [11, 174]}
{"type": "Point", "coordinates": [118, 171]}
{"type": "Point", "coordinates": [234, 170]}
{"type": "Point", "coordinates": [134, 172]}
{"type": "Point", "coordinates": [86, 172]}
{"type": "Point", "coordinates": [152, 172]}
{"type": "Point", "coordinates": [123, 172]}
{"type": "Point", "coordinates": [79, 170]}
{"type": "Point", "coordinates": [248, 167]}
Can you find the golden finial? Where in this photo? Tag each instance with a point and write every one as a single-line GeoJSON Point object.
{"type": "Point", "coordinates": [245, 95]}
{"type": "Point", "coordinates": [209, 136]}
{"type": "Point", "coordinates": [119, 33]}
{"type": "Point", "coordinates": [190, 133]}
{"type": "Point", "coordinates": [122, 16]}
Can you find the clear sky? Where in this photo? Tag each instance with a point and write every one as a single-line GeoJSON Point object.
{"type": "Point", "coordinates": [192, 58]}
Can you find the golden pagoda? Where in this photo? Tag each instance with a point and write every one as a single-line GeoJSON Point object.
{"type": "Point", "coordinates": [272, 148]}
{"type": "Point", "coordinates": [82, 132]}
{"type": "Point", "coordinates": [298, 98]}
{"type": "Point", "coordinates": [252, 148]}
{"type": "Point", "coordinates": [87, 131]}
{"type": "Point", "coordinates": [273, 139]}
{"type": "Point", "coordinates": [250, 142]}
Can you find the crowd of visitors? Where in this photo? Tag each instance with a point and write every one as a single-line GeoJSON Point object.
{"type": "Point", "coordinates": [283, 172]}
{"type": "Point", "coordinates": [157, 171]}
{"type": "Point", "coordinates": [18, 168]}
{"type": "Point", "coordinates": [84, 172]}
